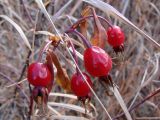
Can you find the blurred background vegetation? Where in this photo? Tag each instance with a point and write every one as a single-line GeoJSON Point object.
{"type": "Point", "coordinates": [137, 75]}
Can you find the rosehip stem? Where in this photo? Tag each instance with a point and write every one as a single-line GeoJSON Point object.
{"type": "Point", "coordinates": [43, 50]}
{"type": "Point", "coordinates": [85, 41]}
{"type": "Point", "coordinates": [74, 54]}
{"type": "Point", "coordinates": [90, 16]}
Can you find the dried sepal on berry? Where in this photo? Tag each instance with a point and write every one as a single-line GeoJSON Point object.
{"type": "Point", "coordinates": [40, 95]}
{"type": "Point", "coordinates": [107, 82]}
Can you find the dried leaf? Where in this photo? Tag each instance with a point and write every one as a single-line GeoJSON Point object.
{"type": "Point", "coordinates": [84, 24]}
{"type": "Point", "coordinates": [18, 28]}
{"type": "Point", "coordinates": [99, 37]}
{"type": "Point", "coordinates": [71, 106]}
{"type": "Point", "coordinates": [62, 78]}
{"type": "Point", "coordinates": [50, 66]}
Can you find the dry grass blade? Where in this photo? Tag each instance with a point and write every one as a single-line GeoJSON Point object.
{"type": "Point", "coordinates": [71, 97]}
{"type": "Point", "coordinates": [63, 95]}
{"type": "Point", "coordinates": [43, 9]}
{"type": "Point", "coordinates": [155, 72]}
{"type": "Point", "coordinates": [138, 90]}
{"type": "Point", "coordinates": [44, 33]}
{"type": "Point", "coordinates": [53, 110]}
{"type": "Point", "coordinates": [77, 53]}
{"type": "Point", "coordinates": [121, 102]}
{"type": "Point", "coordinates": [64, 117]}
{"type": "Point", "coordinates": [18, 28]}
{"type": "Point", "coordinates": [112, 11]}
{"type": "Point", "coordinates": [148, 118]}
{"type": "Point", "coordinates": [70, 106]}
{"type": "Point", "coordinates": [61, 10]}
{"type": "Point", "coordinates": [16, 83]}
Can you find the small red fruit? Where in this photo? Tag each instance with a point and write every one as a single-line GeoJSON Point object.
{"type": "Point", "coordinates": [39, 74]}
{"type": "Point", "coordinates": [115, 36]}
{"type": "Point", "coordinates": [97, 62]}
{"type": "Point", "coordinates": [79, 86]}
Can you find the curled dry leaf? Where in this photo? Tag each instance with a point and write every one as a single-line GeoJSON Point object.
{"type": "Point", "coordinates": [99, 37]}
{"type": "Point", "coordinates": [84, 24]}
{"type": "Point", "coordinates": [62, 78]}
{"type": "Point", "coordinates": [50, 66]}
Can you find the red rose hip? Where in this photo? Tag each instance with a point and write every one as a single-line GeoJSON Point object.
{"type": "Point", "coordinates": [115, 36]}
{"type": "Point", "coordinates": [79, 86]}
{"type": "Point", "coordinates": [97, 62]}
{"type": "Point", "coordinates": [39, 74]}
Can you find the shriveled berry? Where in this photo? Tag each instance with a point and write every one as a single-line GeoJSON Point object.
{"type": "Point", "coordinates": [97, 62]}
{"type": "Point", "coordinates": [79, 86]}
{"type": "Point", "coordinates": [115, 36]}
{"type": "Point", "coordinates": [39, 74]}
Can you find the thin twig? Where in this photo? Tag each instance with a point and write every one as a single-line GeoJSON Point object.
{"type": "Point", "coordinates": [25, 66]}
{"type": "Point", "coordinates": [17, 83]}
{"type": "Point", "coordinates": [23, 70]}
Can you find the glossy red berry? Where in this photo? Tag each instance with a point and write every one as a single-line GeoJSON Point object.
{"type": "Point", "coordinates": [39, 74]}
{"type": "Point", "coordinates": [115, 36]}
{"type": "Point", "coordinates": [79, 86]}
{"type": "Point", "coordinates": [97, 62]}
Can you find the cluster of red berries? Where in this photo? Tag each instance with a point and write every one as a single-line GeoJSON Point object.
{"type": "Point", "coordinates": [96, 62]}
